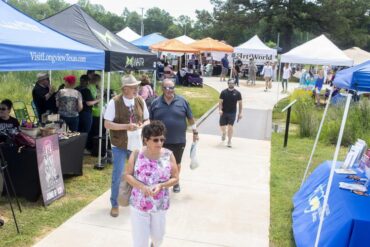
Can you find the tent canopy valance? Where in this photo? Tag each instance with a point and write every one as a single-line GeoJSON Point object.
{"type": "Point", "coordinates": [355, 78]}
{"type": "Point", "coordinates": [255, 49]}
{"type": "Point", "coordinates": [146, 41]}
{"type": "Point", "coordinates": [209, 44]}
{"type": "Point", "coordinates": [173, 45]}
{"type": "Point", "coordinates": [128, 34]}
{"type": "Point", "coordinates": [120, 54]}
{"type": "Point", "coordinates": [319, 50]}
{"type": "Point", "coordinates": [358, 55]}
{"type": "Point", "coordinates": [26, 45]}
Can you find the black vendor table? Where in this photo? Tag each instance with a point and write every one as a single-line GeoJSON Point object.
{"type": "Point", "coordinates": [23, 166]}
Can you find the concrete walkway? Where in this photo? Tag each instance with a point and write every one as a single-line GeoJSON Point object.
{"type": "Point", "coordinates": [225, 202]}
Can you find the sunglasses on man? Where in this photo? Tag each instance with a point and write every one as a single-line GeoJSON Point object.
{"type": "Point", "coordinates": [3, 108]}
{"type": "Point", "coordinates": [168, 88]}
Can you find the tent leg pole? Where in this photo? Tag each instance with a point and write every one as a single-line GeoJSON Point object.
{"type": "Point", "coordinates": [100, 165]}
{"type": "Point", "coordinates": [317, 137]}
{"type": "Point", "coordinates": [154, 80]}
{"type": "Point", "coordinates": [107, 132]}
{"type": "Point", "coordinates": [278, 83]}
{"type": "Point", "coordinates": [50, 79]}
{"type": "Point", "coordinates": [330, 180]}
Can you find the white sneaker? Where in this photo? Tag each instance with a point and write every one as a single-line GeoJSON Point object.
{"type": "Point", "coordinates": [229, 144]}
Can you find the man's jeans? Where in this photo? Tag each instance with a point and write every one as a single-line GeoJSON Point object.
{"type": "Point", "coordinates": [119, 160]}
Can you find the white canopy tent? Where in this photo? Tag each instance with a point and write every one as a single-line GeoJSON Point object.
{"type": "Point", "coordinates": [358, 55]}
{"type": "Point", "coordinates": [319, 50]}
{"type": "Point", "coordinates": [185, 39]}
{"type": "Point", "coordinates": [256, 49]}
{"type": "Point", "coordinates": [128, 34]}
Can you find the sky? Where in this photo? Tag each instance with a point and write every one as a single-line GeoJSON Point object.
{"type": "Point", "coordinates": [174, 7]}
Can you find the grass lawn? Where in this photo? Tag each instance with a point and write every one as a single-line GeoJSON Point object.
{"type": "Point", "coordinates": [287, 169]}
{"type": "Point", "coordinates": [36, 221]}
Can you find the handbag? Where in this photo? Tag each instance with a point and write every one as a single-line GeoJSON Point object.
{"type": "Point", "coordinates": [125, 188]}
{"type": "Point", "coordinates": [21, 139]}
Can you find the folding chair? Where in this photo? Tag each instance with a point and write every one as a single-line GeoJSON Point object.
{"type": "Point", "coordinates": [21, 112]}
{"type": "Point", "coordinates": [35, 112]}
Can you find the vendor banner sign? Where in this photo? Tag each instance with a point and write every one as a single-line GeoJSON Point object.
{"type": "Point", "coordinates": [257, 58]}
{"type": "Point", "coordinates": [50, 172]}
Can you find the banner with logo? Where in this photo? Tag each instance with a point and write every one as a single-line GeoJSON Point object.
{"type": "Point", "coordinates": [119, 61]}
{"type": "Point", "coordinates": [50, 172]}
{"type": "Point", "coordinates": [258, 59]}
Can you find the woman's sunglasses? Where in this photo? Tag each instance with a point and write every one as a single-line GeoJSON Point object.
{"type": "Point", "coordinates": [156, 140]}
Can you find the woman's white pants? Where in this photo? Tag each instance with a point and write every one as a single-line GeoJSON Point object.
{"type": "Point", "coordinates": [147, 225]}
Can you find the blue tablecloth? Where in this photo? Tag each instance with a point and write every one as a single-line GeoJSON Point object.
{"type": "Point", "coordinates": [347, 219]}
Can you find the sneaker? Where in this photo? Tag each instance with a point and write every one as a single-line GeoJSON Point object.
{"type": "Point", "coordinates": [176, 188]}
{"type": "Point", "coordinates": [114, 212]}
{"type": "Point", "coordinates": [265, 90]}
{"type": "Point", "coordinates": [229, 144]}
{"type": "Point", "coordinates": [223, 137]}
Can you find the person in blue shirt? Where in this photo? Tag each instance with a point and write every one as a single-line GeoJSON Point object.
{"type": "Point", "coordinates": [225, 67]}
{"type": "Point", "coordinates": [173, 110]}
{"type": "Point", "coordinates": [318, 86]}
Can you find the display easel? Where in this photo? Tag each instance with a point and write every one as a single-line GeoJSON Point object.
{"type": "Point", "coordinates": [3, 171]}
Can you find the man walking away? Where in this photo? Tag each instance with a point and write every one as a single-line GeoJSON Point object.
{"type": "Point", "coordinates": [229, 99]}
{"type": "Point", "coordinates": [225, 67]}
{"type": "Point", "coordinates": [287, 71]}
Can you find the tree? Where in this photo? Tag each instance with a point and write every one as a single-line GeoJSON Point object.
{"type": "Point", "coordinates": [185, 23]}
{"type": "Point", "coordinates": [132, 20]}
{"type": "Point", "coordinates": [203, 25]}
{"type": "Point", "coordinates": [157, 20]}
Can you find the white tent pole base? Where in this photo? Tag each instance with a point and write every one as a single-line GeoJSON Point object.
{"type": "Point", "coordinates": [99, 165]}
{"type": "Point", "coordinates": [330, 180]}
{"type": "Point", "coordinates": [317, 137]}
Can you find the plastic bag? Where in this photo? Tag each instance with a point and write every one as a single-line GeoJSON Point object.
{"type": "Point", "coordinates": [193, 156]}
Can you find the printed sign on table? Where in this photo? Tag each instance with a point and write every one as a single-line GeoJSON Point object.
{"type": "Point", "coordinates": [50, 172]}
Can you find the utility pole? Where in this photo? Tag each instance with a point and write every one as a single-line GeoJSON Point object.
{"type": "Point", "coordinates": [142, 22]}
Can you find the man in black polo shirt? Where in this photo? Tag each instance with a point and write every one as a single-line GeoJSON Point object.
{"type": "Point", "coordinates": [229, 98]}
{"type": "Point", "coordinates": [173, 110]}
{"type": "Point", "coordinates": [43, 95]}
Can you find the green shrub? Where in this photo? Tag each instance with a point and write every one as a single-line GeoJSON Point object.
{"type": "Point", "coordinates": [305, 113]}
{"type": "Point", "coordinates": [357, 125]}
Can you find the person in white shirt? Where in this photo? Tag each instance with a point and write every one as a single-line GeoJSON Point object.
{"type": "Point", "coordinates": [287, 72]}
{"type": "Point", "coordinates": [125, 116]}
{"type": "Point", "coordinates": [267, 75]}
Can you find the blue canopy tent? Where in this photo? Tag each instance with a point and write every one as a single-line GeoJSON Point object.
{"type": "Point", "coordinates": [146, 41]}
{"type": "Point", "coordinates": [26, 45]}
{"type": "Point", "coordinates": [355, 78]}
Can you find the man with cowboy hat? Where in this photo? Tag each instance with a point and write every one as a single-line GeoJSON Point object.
{"type": "Point", "coordinates": [125, 116]}
{"type": "Point", "coordinates": [43, 95]}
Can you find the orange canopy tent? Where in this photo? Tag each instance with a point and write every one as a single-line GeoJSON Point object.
{"type": "Point", "coordinates": [209, 44]}
{"type": "Point", "coordinates": [173, 45]}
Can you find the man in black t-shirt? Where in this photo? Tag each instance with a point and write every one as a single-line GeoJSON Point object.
{"type": "Point", "coordinates": [229, 98]}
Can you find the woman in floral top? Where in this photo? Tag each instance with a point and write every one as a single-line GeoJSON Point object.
{"type": "Point", "coordinates": [152, 174]}
{"type": "Point", "coordinates": [69, 103]}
